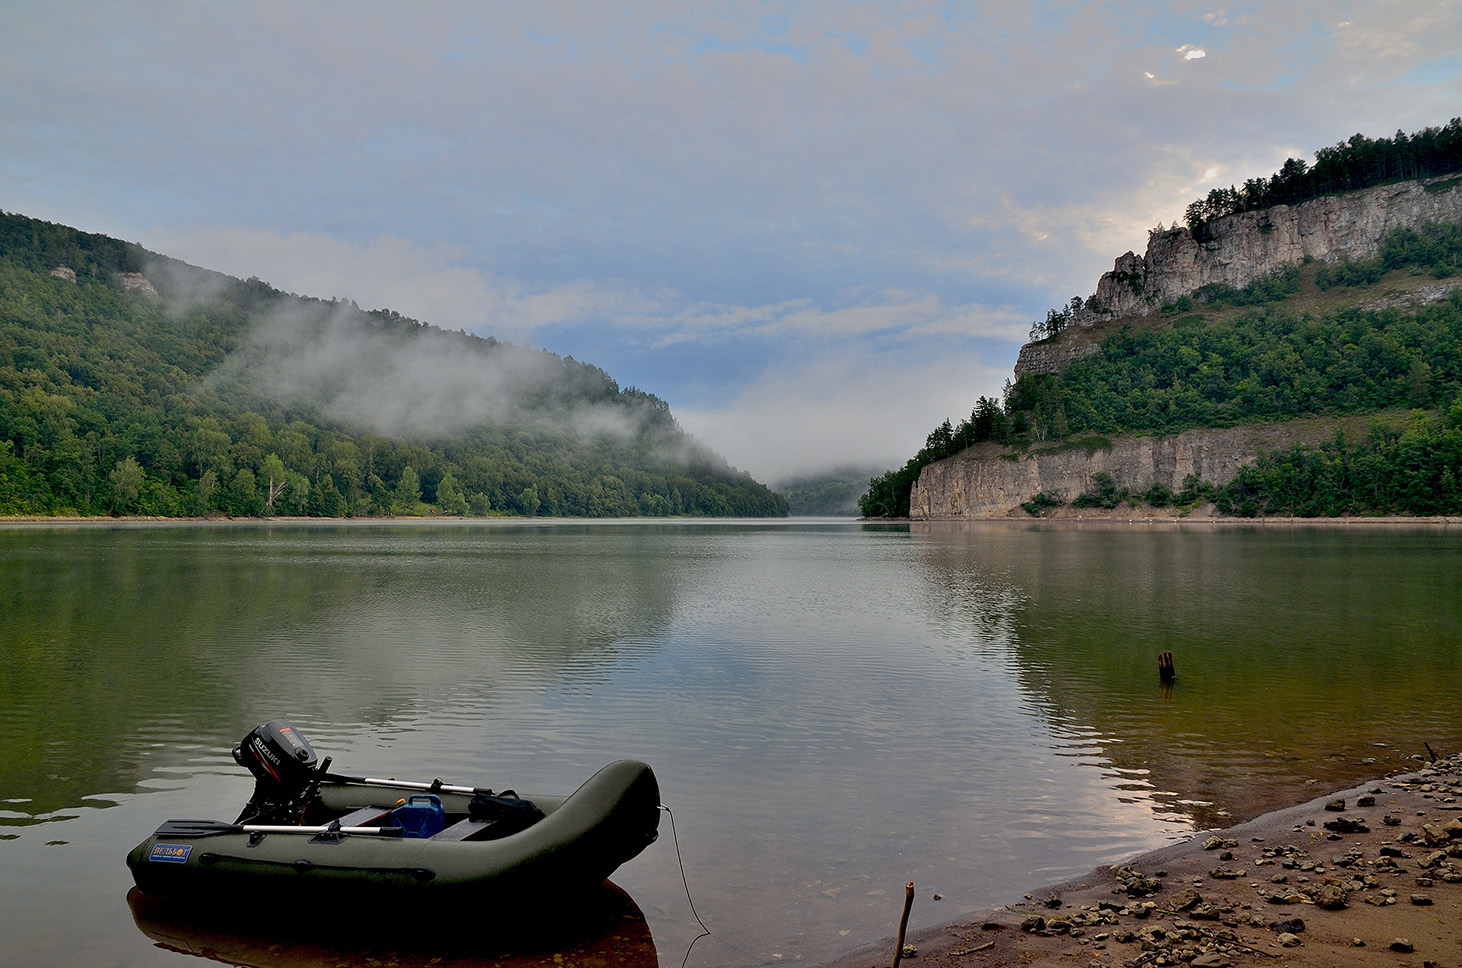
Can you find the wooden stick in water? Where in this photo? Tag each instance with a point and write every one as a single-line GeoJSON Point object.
{"type": "Point", "coordinates": [898, 950]}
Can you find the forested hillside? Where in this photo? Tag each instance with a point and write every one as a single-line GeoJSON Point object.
{"type": "Point", "coordinates": [1306, 340]}
{"type": "Point", "coordinates": [131, 383]}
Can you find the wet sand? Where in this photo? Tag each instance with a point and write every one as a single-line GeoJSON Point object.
{"type": "Point", "coordinates": [1375, 883]}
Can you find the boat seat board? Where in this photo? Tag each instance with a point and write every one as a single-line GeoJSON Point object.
{"type": "Point", "coordinates": [464, 830]}
{"type": "Point", "coordinates": [365, 817]}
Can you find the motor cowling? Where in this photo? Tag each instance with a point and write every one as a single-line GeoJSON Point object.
{"type": "Point", "coordinates": [284, 767]}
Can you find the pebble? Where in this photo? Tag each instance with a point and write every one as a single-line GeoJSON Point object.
{"type": "Point", "coordinates": [1402, 945]}
{"type": "Point", "coordinates": [1420, 899]}
{"type": "Point", "coordinates": [1185, 899]}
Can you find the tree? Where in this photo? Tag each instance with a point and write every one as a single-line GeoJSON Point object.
{"type": "Point", "coordinates": [450, 498]}
{"type": "Point", "coordinates": [295, 500]}
{"type": "Point", "coordinates": [126, 480]}
{"type": "Point", "coordinates": [207, 484]}
{"type": "Point", "coordinates": [245, 493]}
{"type": "Point", "coordinates": [1056, 320]}
{"type": "Point", "coordinates": [326, 500]}
{"type": "Point", "coordinates": [275, 481]}
{"type": "Point", "coordinates": [528, 500]}
{"type": "Point", "coordinates": [407, 494]}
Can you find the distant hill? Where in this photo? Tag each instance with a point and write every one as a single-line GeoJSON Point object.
{"type": "Point", "coordinates": [1301, 359]}
{"type": "Point", "coordinates": [132, 383]}
{"type": "Point", "coordinates": [832, 493]}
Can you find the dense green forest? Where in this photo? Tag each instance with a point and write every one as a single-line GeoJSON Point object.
{"type": "Point", "coordinates": [131, 383]}
{"type": "Point", "coordinates": [1267, 361]}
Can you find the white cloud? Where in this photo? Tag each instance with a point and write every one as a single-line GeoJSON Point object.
{"type": "Point", "coordinates": [845, 409]}
{"type": "Point", "coordinates": [895, 315]}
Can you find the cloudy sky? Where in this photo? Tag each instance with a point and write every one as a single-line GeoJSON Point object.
{"type": "Point", "coordinates": [816, 228]}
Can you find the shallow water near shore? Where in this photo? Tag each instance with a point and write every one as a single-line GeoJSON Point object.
{"type": "Point", "coordinates": [832, 708]}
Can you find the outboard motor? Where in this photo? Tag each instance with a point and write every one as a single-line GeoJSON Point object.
{"type": "Point", "coordinates": [286, 774]}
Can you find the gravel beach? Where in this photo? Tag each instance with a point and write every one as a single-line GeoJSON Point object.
{"type": "Point", "coordinates": [1366, 876]}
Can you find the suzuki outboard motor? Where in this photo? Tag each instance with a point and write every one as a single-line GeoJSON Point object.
{"type": "Point", "coordinates": [286, 774]}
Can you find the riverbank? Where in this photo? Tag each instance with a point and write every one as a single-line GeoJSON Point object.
{"type": "Point", "coordinates": [1369, 876]}
{"type": "Point", "coordinates": [1208, 514]}
{"type": "Point", "coordinates": [1205, 514]}
{"type": "Point", "coordinates": [1202, 514]}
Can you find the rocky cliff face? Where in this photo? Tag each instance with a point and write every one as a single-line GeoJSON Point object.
{"type": "Point", "coordinates": [988, 482]}
{"type": "Point", "coordinates": [1244, 247]}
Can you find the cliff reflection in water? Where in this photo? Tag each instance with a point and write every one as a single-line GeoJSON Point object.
{"type": "Point", "coordinates": [607, 930]}
{"type": "Point", "coordinates": [1304, 655]}
{"type": "Point", "coordinates": [134, 654]}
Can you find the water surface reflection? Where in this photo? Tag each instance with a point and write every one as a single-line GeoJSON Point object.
{"type": "Point", "coordinates": [606, 930]}
{"type": "Point", "coordinates": [1305, 654]}
{"type": "Point", "coordinates": [832, 709]}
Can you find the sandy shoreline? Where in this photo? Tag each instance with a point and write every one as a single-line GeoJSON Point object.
{"type": "Point", "coordinates": [1305, 885]}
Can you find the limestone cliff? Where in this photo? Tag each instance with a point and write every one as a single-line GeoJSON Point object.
{"type": "Point", "coordinates": [1242, 248]}
{"type": "Point", "coordinates": [991, 481]}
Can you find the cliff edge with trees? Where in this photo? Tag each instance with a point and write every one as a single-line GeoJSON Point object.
{"type": "Point", "coordinates": [1313, 368]}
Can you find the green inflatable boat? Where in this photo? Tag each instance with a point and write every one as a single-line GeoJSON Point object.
{"type": "Point", "coordinates": [323, 837]}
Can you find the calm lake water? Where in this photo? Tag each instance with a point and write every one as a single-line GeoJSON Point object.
{"type": "Point", "coordinates": [833, 709]}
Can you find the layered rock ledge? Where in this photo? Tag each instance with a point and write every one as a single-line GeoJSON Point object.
{"type": "Point", "coordinates": [991, 481]}
{"type": "Point", "coordinates": [1244, 247]}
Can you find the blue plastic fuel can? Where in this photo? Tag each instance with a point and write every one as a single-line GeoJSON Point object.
{"type": "Point", "coordinates": [421, 815]}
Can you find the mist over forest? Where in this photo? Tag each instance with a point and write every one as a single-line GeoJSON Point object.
{"type": "Point", "coordinates": [132, 383]}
